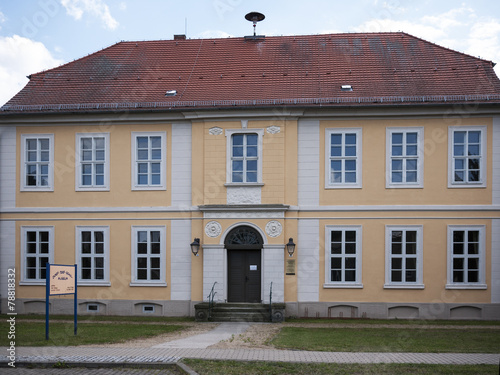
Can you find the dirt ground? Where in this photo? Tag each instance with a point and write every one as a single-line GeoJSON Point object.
{"type": "Point", "coordinates": [258, 335]}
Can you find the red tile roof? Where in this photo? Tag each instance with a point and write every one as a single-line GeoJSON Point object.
{"type": "Point", "coordinates": [302, 70]}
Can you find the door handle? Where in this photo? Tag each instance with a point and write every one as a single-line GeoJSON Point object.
{"type": "Point", "coordinates": [246, 279]}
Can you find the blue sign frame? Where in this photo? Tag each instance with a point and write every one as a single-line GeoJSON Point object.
{"type": "Point", "coordinates": [47, 297]}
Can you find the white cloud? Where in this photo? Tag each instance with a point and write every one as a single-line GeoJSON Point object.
{"type": "Point", "coordinates": [97, 8]}
{"type": "Point", "coordinates": [2, 18]}
{"type": "Point", "coordinates": [20, 57]}
{"type": "Point", "coordinates": [213, 34]}
{"type": "Point", "coordinates": [460, 29]}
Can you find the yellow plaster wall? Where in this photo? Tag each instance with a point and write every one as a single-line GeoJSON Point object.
{"type": "Point", "coordinates": [120, 194]}
{"type": "Point", "coordinates": [278, 161]}
{"type": "Point", "coordinates": [435, 190]}
{"type": "Point", "coordinates": [434, 264]}
{"type": "Point", "coordinates": [120, 256]}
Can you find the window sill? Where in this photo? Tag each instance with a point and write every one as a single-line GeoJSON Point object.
{"type": "Point", "coordinates": [243, 184]}
{"type": "Point", "coordinates": [81, 188]}
{"type": "Point", "coordinates": [343, 286]}
{"type": "Point", "coordinates": [354, 186]}
{"type": "Point", "coordinates": [35, 190]}
{"type": "Point", "coordinates": [404, 186]}
{"type": "Point", "coordinates": [93, 283]}
{"type": "Point", "coordinates": [34, 282]}
{"type": "Point", "coordinates": [404, 286]}
{"type": "Point", "coordinates": [480, 185]}
{"type": "Point", "coordinates": [467, 286]}
{"type": "Point", "coordinates": [149, 188]}
{"type": "Point", "coordinates": [147, 284]}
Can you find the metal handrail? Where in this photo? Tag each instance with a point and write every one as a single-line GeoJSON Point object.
{"type": "Point", "coordinates": [271, 302]}
{"type": "Point", "coordinates": [211, 300]}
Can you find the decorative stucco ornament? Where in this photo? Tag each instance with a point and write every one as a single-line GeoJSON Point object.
{"type": "Point", "coordinates": [215, 131]}
{"type": "Point", "coordinates": [273, 228]}
{"type": "Point", "coordinates": [273, 129]}
{"type": "Point", "coordinates": [213, 229]}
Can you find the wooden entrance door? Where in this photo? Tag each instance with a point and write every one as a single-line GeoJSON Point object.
{"type": "Point", "coordinates": [244, 276]}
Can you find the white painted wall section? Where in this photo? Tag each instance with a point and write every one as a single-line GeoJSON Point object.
{"type": "Point", "coordinates": [181, 164]}
{"type": "Point", "coordinates": [273, 271]}
{"type": "Point", "coordinates": [180, 257]}
{"type": "Point", "coordinates": [495, 261]}
{"type": "Point", "coordinates": [7, 258]}
{"type": "Point", "coordinates": [7, 167]}
{"type": "Point", "coordinates": [496, 161]}
{"type": "Point", "coordinates": [214, 259]}
{"type": "Point", "coordinates": [308, 163]}
{"type": "Point", "coordinates": [308, 261]}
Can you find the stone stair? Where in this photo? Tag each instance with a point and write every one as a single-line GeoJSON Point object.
{"type": "Point", "coordinates": [240, 312]}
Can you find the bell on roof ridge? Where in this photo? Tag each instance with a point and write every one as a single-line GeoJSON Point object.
{"type": "Point", "coordinates": [254, 17]}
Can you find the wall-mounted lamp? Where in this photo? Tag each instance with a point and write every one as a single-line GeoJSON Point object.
{"type": "Point", "coordinates": [290, 247]}
{"type": "Point", "coordinates": [195, 246]}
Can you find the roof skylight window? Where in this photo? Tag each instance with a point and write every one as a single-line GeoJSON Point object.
{"type": "Point", "coordinates": [171, 93]}
{"type": "Point", "coordinates": [346, 88]}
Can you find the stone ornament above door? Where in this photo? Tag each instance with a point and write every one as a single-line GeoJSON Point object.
{"type": "Point", "coordinates": [273, 228]}
{"type": "Point", "coordinates": [213, 229]}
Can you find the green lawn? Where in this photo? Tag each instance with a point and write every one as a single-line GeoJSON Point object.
{"type": "Point", "coordinates": [204, 367]}
{"type": "Point", "coordinates": [474, 340]}
{"type": "Point", "coordinates": [61, 334]}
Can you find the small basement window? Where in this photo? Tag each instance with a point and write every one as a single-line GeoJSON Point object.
{"type": "Point", "coordinates": [148, 309]}
{"type": "Point", "coordinates": [92, 307]}
{"type": "Point", "coordinates": [346, 88]}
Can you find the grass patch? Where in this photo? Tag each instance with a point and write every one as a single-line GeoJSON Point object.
{"type": "Point", "coordinates": [204, 367]}
{"type": "Point", "coordinates": [409, 322]}
{"type": "Point", "coordinates": [61, 334]}
{"type": "Point", "coordinates": [389, 340]}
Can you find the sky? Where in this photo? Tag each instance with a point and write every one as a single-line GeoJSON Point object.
{"type": "Point", "coordinates": [36, 35]}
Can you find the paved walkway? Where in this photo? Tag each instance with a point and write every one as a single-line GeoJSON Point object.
{"type": "Point", "coordinates": [198, 347]}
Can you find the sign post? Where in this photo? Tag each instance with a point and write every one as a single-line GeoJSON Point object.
{"type": "Point", "coordinates": [61, 280]}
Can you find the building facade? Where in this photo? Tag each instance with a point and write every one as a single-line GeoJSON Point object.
{"type": "Point", "coordinates": [378, 155]}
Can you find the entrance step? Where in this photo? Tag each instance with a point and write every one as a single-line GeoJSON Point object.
{"type": "Point", "coordinates": [240, 312]}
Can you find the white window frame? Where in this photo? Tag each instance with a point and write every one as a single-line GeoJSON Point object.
{"type": "Point", "coordinates": [419, 283]}
{"type": "Point", "coordinates": [78, 162]}
{"type": "Point", "coordinates": [358, 158]}
{"type": "Point", "coordinates": [24, 253]}
{"type": "Point", "coordinates": [229, 152]}
{"type": "Point", "coordinates": [78, 255]}
{"type": "Point", "coordinates": [359, 256]}
{"type": "Point", "coordinates": [24, 162]}
{"type": "Point", "coordinates": [163, 257]}
{"type": "Point", "coordinates": [420, 157]}
{"type": "Point", "coordinates": [483, 157]}
{"type": "Point", "coordinates": [163, 162]}
{"type": "Point", "coordinates": [481, 284]}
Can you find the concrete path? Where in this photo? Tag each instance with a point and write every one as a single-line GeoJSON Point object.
{"type": "Point", "coordinates": [202, 341]}
{"type": "Point", "coordinates": [198, 347]}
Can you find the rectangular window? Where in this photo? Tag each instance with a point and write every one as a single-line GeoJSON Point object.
{"type": "Point", "coordinates": [149, 161]}
{"type": "Point", "coordinates": [92, 161]}
{"type": "Point", "coordinates": [467, 156]}
{"type": "Point", "coordinates": [404, 157]}
{"type": "Point", "coordinates": [343, 256]}
{"type": "Point", "coordinates": [149, 256]}
{"type": "Point", "coordinates": [466, 257]}
{"type": "Point", "coordinates": [343, 162]}
{"type": "Point", "coordinates": [404, 257]}
{"type": "Point", "coordinates": [37, 244]}
{"type": "Point", "coordinates": [37, 162]}
{"type": "Point", "coordinates": [92, 255]}
{"type": "Point", "coordinates": [244, 156]}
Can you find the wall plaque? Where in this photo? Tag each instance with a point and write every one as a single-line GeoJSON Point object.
{"type": "Point", "coordinates": [290, 266]}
